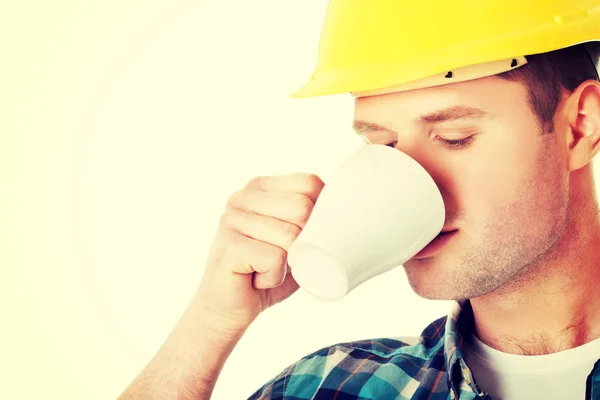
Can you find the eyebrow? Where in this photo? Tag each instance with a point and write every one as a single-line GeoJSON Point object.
{"type": "Point", "coordinates": [454, 113]}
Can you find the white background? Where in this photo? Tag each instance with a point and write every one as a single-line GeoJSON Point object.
{"type": "Point", "coordinates": [125, 125]}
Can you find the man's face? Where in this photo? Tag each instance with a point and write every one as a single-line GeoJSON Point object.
{"type": "Point", "coordinates": [505, 185]}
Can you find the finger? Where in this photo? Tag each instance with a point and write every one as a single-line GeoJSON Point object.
{"type": "Point", "coordinates": [285, 206]}
{"type": "Point", "coordinates": [309, 185]}
{"type": "Point", "coordinates": [247, 255]}
{"type": "Point", "coordinates": [265, 229]}
{"type": "Point", "coordinates": [285, 290]}
{"type": "Point", "coordinates": [271, 279]}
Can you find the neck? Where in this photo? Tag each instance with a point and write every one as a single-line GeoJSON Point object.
{"type": "Point", "coordinates": [551, 305]}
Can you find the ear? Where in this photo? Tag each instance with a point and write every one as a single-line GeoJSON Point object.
{"type": "Point", "coordinates": [583, 111]}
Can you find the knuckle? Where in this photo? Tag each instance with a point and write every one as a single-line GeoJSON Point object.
{"type": "Point", "coordinates": [225, 220]}
{"type": "Point", "coordinates": [229, 218]}
{"type": "Point", "coordinates": [219, 258]}
{"type": "Point", "coordinates": [220, 254]}
{"type": "Point", "coordinates": [288, 235]}
{"type": "Point", "coordinates": [292, 231]}
{"type": "Point", "coordinates": [303, 208]}
{"type": "Point", "coordinates": [277, 257]}
{"type": "Point", "coordinates": [255, 182]}
{"type": "Point", "coordinates": [226, 234]}
{"type": "Point", "coordinates": [312, 183]}
{"type": "Point", "coordinates": [235, 197]}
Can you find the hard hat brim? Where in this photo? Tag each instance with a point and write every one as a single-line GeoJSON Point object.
{"type": "Point", "coordinates": [560, 33]}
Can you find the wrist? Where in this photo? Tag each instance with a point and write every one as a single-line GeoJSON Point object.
{"type": "Point", "coordinates": [193, 355]}
{"type": "Point", "coordinates": [219, 326]}
{"type": "Point", "coordinates": [200, 322]}
{"type": "Point", "coordinates": [190, 361]}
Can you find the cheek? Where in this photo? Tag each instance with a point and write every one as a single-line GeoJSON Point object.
{"type": "Point", "coordinates": [489, 177]}
{"type": "Point", "coordinates": [507, 169]}
{"type": "Point", "coordinates": [516, 187]}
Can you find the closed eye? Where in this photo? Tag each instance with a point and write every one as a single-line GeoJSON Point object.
{"type": "Point", "coordinates": [457, 143]}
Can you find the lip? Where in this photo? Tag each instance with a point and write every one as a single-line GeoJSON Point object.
{"type": "Point", "coordinates": [446, 230]}
{"type": "Point", "coordinates": [436, 244]}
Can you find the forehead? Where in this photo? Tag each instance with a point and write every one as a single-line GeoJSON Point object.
{"type": "Point", "coordinates": [492, 94]}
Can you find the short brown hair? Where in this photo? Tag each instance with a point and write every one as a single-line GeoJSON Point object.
{"type": "Point", "coordinates": [547, 74]}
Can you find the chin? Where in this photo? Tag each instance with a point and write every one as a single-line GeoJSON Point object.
{"type": "Point", "coordinates": [434, 292]}
{"type": "Point", "coordinates": [435, 278]}
{"type": "Point", "coordinates": [426, 280]}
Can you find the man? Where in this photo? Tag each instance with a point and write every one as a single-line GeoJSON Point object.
{"type": "Point", "coordinates": [500, 103]}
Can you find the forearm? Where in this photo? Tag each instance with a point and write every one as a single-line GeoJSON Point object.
{"type": "Point", "coordinates": [187, 365]}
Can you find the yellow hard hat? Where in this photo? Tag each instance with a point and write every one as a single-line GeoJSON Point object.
{"type": "Point", "coordinates": [380, 46]}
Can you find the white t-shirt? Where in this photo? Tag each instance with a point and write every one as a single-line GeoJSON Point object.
{"type": "Point", "coordinates": [506, 376]}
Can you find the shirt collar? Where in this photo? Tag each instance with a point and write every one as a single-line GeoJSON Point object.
{"type": "Point", "coordinates": [460, 319]}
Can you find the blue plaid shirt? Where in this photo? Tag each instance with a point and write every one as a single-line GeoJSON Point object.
{"type": "Point", "coordinates": [433, 368]}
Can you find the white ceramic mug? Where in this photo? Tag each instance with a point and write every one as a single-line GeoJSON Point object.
{"type": "Point", "coordinates": [376, 212]}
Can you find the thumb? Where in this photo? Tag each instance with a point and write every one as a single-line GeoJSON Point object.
{"type": "Point", "coordinates": [271, 278]}
{"type": "Point", "coordinates": [285, 290]}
